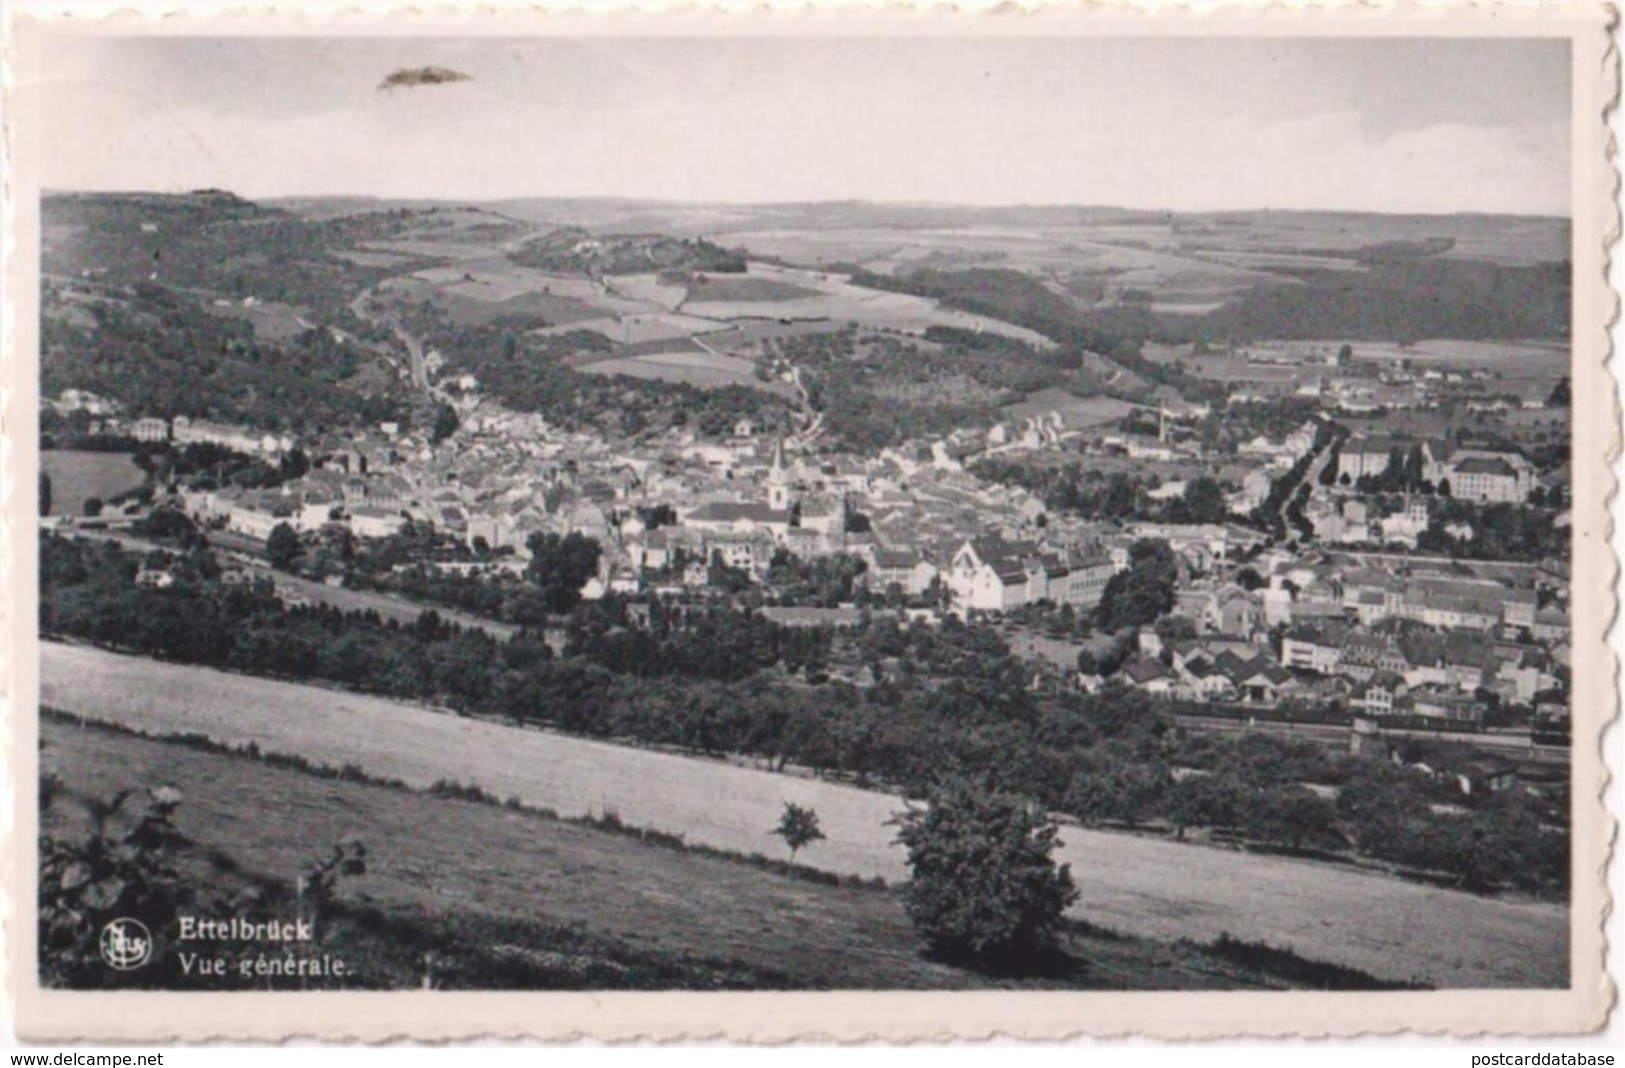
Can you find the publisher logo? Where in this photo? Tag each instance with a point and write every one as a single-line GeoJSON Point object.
{"type": "Point", "coordinates": [126, 944]}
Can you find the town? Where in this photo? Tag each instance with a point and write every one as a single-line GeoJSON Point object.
{"type": "Point", "coordinates": [1347, 614]}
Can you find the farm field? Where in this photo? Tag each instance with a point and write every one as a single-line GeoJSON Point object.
{"type": "Point", "coordinates": [1143, 886]}
{"type": "Point", "coordinates": [1078, 410]}
{"type": "Point", "coordinates": [836, 299]}
{"type": "Point", "coordinates": [736, 310]}
{"type": "Point", "coordinates": [1523, 358]}
{"type": "Point", "coordinates": [271, 321]}
{"type": "Point", "coordinates": [436, 856]}
{"type": "Point", "coordinates": [745, 289]}
{"type": "Point", "coordinates": [642, 328]}
{"type": "Point", "coordinates": [78, 476]}
{"type": "Point", "coordinates": [700, 369]}
{"type": "Point", "coordinates": [1240, 366]}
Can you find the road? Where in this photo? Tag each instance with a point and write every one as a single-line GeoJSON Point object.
{"type": "Point", "coordinates": [1322, 455]}
{"type": "Point", "coordinates": [362, 306]}
{"type": "Point", "coordinates": [1151, 886]}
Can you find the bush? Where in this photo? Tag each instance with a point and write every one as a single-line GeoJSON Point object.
{"type": "Point", "coordinates": [1113, 787]}
{"type": "Point", "coordinates": [123, 870]}
{"type": "Point", "coordinates": [984, 888]}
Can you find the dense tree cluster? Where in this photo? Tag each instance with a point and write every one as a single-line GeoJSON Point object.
{"type": "Point", "coordinates": [822, 582]}
{"type": "Point", "coordinates": [1072, 487]}
{"type": "Point", "coordinates": [1145, 592]}
{"type": "Point", "coordinates": [560, 566]}
{"type": "Point", "coordinates": [1500, 531]}
{"type": "Point", "coordinates": [1409, 301]}
{"type": "Point", "coordinates": [163, 354]}
{"type": "Point", "coordinates": [878, 389]}
{"type": "Point", "coordinates": [575, 251]}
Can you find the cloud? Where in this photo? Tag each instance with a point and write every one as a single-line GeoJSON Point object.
{"type": "Point", "coordinates": [411, 78]}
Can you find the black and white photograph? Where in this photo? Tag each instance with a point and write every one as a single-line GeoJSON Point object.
{"type": "Point", "coordinates": [851, 511]}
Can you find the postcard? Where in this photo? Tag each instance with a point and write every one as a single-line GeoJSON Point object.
{"type": "Point", "coordinates": [864, 524]}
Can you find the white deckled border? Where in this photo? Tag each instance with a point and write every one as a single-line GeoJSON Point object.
{"type": "Point", "coordinates": [848, 1017]}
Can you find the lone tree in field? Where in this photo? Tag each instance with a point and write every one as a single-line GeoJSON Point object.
{"type": "Point", "coordinates": [984, 887]}
{"type": "Point", "coordinates": [798, 827]}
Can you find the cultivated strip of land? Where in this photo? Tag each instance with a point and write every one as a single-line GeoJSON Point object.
{"type": "Point", "coordinates": [1384, 926]}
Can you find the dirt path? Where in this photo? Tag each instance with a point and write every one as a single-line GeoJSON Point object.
{"type": "Point", "coordinates": [1385, 926]}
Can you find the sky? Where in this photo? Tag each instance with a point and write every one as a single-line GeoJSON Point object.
{"type": "Point", "coordinates": [1411, 125]}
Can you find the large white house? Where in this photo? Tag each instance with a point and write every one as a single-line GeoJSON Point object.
{"type": "Point", "coordinates": [992, 574]}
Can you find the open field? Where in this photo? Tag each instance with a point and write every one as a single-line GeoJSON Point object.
{"type": "Point", "coordinates": [1144, 886]}
{"type": "Point", "coordinates": [700, 369]}
{"type": "Point", "coordinates": [1527, 358]}
{"type": "Point", "coordinates": [706, 360]}
{"type": "Point", "coordinates": [1504, 239]}
{"type": "Point", "coordinates": [78, 476]}
{"type": "Point", "coordinates": [650, 288]}
{"type": "Point", "coordinates": [834, 298]}
{"type": "Point", "coordinates": [1076, 410]}
{"type": "Point", "coordinates": [643, 327]}
{"type": "Point", "coordinates": [427, 248]}
{"type": "Point", "coordinates": [744, 289]}
{"type": "Point", "coordinates": [432, 856]}
{"type": "Point", "coordinates": [634, 309]}
{"type": "Point", "coordinates": [363, 258]}
{"type": "Point", "coordinates": [427, 855]}
{"type": "Point", "coordinates": [271, 321]}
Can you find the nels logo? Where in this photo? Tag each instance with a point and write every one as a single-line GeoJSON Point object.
{"type": "Point", "coordinates": [126, 944]}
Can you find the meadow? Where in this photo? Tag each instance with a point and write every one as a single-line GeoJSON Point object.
{"type": "Point", "coordinates": [1526, 357]}
{"type": "Point", "coordinates": [488, 887]}
{"type": "Point", "coordinates": [271, 321]}
{"type": "Point", "coordinates": [833, 297]}
{"type": "Point", "coordinates": [704, 370]}
{"type": "Point", "coordinates": [1143, 886]}
{"type": "Point", "coordinates": [78, 476]}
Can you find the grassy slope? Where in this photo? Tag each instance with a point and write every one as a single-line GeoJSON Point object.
{"type": "Point", "coordinates": [1154, 888]}
{"type": "Point", "coordinates": [445, 872]}
{"type": "Point", "coordinates": [76, 476]}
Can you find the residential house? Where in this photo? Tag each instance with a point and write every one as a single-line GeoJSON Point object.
{"type": "Point", "coordinates": [1491, 477]}
{"type": "Point", "coordinates": [367, 522]}
{"type": "Point", "coordinates": [907, 569]}
{"type": "Point", "coordinates": [150, 429]}
{"type": "Point", "coordinates": [1150, 675]}
{"type": "Point", "coordinates": [154, 578]}
{"type": "Point", "coordinates": [991, 574]}
{"type": "Point", "coordinates": [1487, 775]}
{"type": "Point", "coordinates": [1381, 695]}
{"type": "Point", "coordinates": [1317, 649]}
{"type": "Point", "coordinates": [1551, 625]}
{"type": "Point", "coordinates": [1439, 702]}
{"type": "Point", "coordinates": [738, 517]}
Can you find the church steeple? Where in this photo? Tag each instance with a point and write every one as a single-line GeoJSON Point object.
{"type": "Point", "coordinates": [778, 480]}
